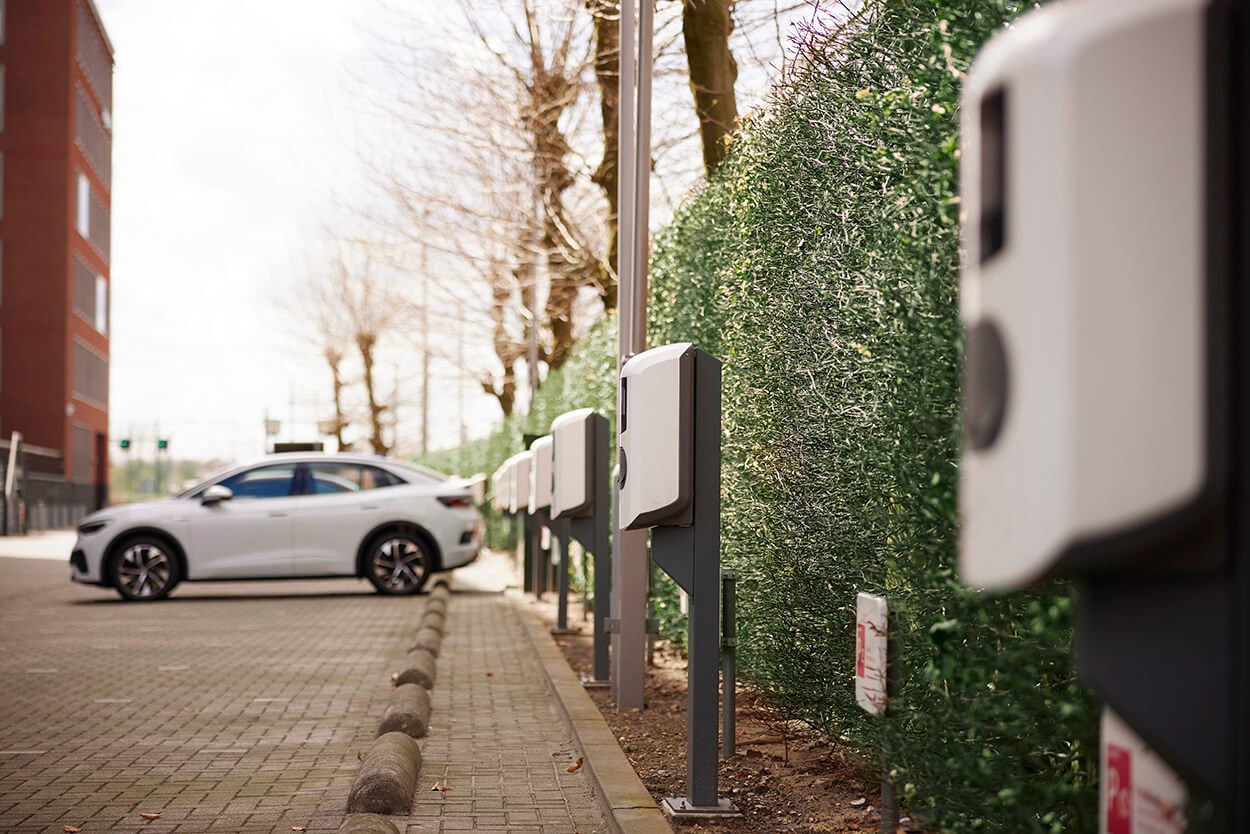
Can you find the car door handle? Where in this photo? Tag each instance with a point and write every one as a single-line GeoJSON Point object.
{"type": "Point", "coordinates": [369, 507]}
{"type": "Point", "coordinates": [277, 514]}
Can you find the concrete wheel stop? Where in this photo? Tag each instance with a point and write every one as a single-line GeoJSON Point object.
{"type": "Point", "coordinates": [387, 777]}
{"type": "Point", "coordinates": [367, 824]}
{"type": "Point", "coordinates": [408, 713]}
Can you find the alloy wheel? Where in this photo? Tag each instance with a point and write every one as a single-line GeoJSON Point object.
{"type": "Point", "coordinates": [398, 564]}
{"type": "Point", "coordinates": [145, 570]}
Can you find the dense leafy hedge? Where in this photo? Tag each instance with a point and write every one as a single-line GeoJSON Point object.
{"type": "Point", "coordinates": [821, 266]}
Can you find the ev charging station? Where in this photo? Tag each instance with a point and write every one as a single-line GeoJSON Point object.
{"type": "Point", "coordinates": [540, 517]}
{"type": "Point", "coordinates": [498, 490]}
{"type": "Point", "coordinates": [669, 480]}
{"type": "Point", "coordinates": [581, 504]}
{"type": "Point", "coordinates": [1106, 298]}
{"type": "Point", "coordinates": [518, 477]}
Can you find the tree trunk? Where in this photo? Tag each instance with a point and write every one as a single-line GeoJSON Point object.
{"type": "Point", "coordinates": [365, 343]}
{"type": "Point", "coordinates": [334, 358]}
{"type": "Point", "coordinates": [606, 14]}
{"type": "Point", "coordinates": [706, 26]}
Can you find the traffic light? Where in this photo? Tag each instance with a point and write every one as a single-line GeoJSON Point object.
{"type": "Point", "coordinates": [162, 444]}
{"type": "Point", "coordinates": [125, 443]}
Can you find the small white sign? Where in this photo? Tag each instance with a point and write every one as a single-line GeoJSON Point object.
{"type": "Point", "coordinates": [871, 633]}
{"type": "Point", "coordinates": [1138, 792]}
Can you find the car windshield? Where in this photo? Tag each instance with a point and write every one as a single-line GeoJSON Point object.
{"type": "Point", "coordinates": [220, 473]}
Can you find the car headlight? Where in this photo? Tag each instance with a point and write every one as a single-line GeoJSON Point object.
{"type": "Point", "coordinates": [89, 527]}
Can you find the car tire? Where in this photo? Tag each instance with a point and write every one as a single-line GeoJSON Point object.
{"type": "Point", "coordinates": [144, 568]}
{"type": "Point", "coordinates": [397, 562]}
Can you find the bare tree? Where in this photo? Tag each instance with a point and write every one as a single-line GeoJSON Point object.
{"type": "Point", "coordinates": [607, 44]}
{"type": "Point", "coordinates": [706, 26]}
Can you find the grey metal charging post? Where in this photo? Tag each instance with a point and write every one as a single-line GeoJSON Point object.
{"type": "Point", "coordinates": [560, 538]}
{"type": "Point", "coordinates": [729, 663]}
{"type": "Point", "coordinates": [581, 501]}
{"type": "Point", "coordinates": [670, 481]}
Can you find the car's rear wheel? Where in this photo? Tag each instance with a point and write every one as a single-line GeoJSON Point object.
{"type": "Point", "coordinates": [397, 562]}
{"type": "Point", "coordinates": [145, 568]}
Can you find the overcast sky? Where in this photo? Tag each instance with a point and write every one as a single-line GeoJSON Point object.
{"type": "Point", "coordinates": [234, 132]}
{"type": "Point", "coordinates": [239, 134]}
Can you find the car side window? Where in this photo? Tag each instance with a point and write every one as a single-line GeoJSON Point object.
{"type": "Point", "coordinates": [374, 478]}
{"type": "Point", "coordinates": [273, 481]}
{"type": "Point", "coordinates": [331, 478]}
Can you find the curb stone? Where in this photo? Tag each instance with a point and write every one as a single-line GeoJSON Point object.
{"type": "Point", "coordinates": [420, 669]}
{"type": "Point", "coordinates": [367, 824]}
{"type": "Point", "coordinates": [433, 619]}
{"type": "Point", "coordinates": [626, 804]}
{"type": "Point", "coordinates": [387, 777]}
{"type": "Point", "coordinates": [429, 640]}
{"type": "Point", "coordinates": [409, 712]}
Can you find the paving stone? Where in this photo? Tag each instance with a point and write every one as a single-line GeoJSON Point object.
{"type": "Point", "coordinates": [242, 707]}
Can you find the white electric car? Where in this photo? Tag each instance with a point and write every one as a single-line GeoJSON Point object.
{"type": "Point", "coordinates": [287, 516]}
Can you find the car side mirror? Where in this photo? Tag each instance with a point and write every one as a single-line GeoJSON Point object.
{"type": "Point", "coordinates": [216, 494]}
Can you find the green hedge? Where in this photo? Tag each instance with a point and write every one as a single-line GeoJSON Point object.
{"type": "Point", "coordinates": [821, 265]}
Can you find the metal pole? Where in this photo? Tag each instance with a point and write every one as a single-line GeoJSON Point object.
{"type": "Point", "coordinates": [629, 557]}
{"type": "Point", "coordinates": [729, 675]}
{"type": "Point", "coordinates": [560, 539]}
{"type": "Point", "coordinates": [460, 377]}
{"type": "Point", "coordinates": [642, 167]}
{"type": "Point", "coordinates": [425, 354]}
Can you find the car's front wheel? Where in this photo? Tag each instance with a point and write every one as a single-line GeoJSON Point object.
{"type": "Point", "coordinates": [397, 562]}
{"type": "Point", "coordinates": [144, 568]}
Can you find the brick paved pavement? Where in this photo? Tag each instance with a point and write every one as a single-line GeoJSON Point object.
{"type": "Point", "coordinates": [242, 707]}
{"type": "Point", "coordinates": [494, 738]}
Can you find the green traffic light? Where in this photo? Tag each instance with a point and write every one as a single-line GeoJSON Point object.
{"type": "Point", "coordinates": [125, 443]}
{"type": "Point", "coordinates": [162, 444]}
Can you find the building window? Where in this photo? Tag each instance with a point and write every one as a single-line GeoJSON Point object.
{"type": "Point", "coordinates": [101, 305]}
{"type": "Point", "coordinates": [84, 289]}
{"type": "Point", "coordinates": [80, 453]}
{"type": "Point", "coordinates": [91, 375]}
{"type": "Point", "coordinates": [93, 138]}
{"type": "Point", "coordinates": [99, 225]}
{"type": "Point", "coordinates": [94, 58]}
{"type": "Point", "coordinates": [84, 206]}
{"type": "Point", "coordinates": [4, 21]}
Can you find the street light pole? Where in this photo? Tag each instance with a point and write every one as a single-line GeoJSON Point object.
{"type": "Point", "coordinates": [629, 557]}
{"type": "Point", "coordinates": [425, 353]}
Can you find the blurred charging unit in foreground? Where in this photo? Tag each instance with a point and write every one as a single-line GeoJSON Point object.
{"type": "Point", "coordinates": [1107, 369]}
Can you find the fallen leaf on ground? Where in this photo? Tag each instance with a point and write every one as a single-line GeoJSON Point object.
{"type": "Point", "coordinates": [69, 829]}
{"type": "Point", "coordinates": [577, 765]}
{"type": "Point", "coordinates": [858, 802]}
{"type": "Point", "coordinates": [298, 828]}
{"type": "Point", "coordinates": [490, 674]}
{"type": "Point", "coordinates": [148, 816]}
{"type": "Point", "coordinates": [440, 787]}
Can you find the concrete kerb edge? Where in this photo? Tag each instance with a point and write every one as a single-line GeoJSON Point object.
{"type": "Point", "coordinates": [626, 804]}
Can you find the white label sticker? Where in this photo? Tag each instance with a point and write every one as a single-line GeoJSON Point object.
{"type": "Point", "coordinates": [1138, 792]}
{"type": "Point", "coordinates": [871, 632]}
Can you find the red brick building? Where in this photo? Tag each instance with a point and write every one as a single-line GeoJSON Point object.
{"type": "Point", "coordinates": [56, 69]}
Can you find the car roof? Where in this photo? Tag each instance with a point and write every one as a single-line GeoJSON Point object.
{"type": "Point", "coordinates": [348, 457]}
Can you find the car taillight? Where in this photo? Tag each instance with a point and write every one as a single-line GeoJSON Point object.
{"type": "Point", "coordinates": [455, 500]}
